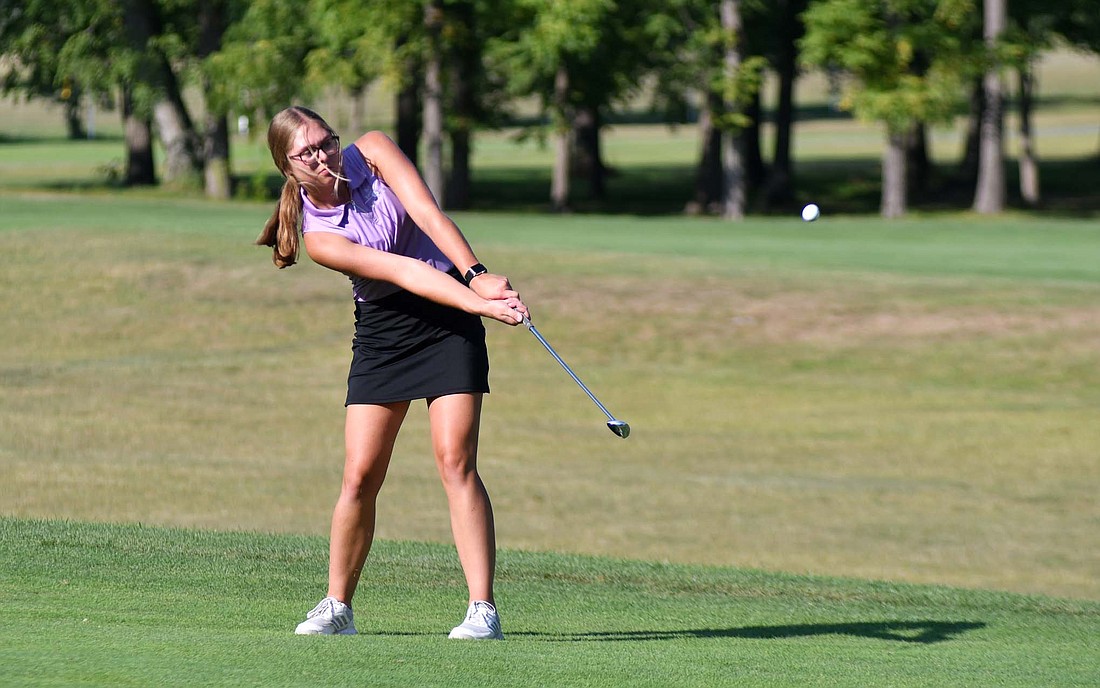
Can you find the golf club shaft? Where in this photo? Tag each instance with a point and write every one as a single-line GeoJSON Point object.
{"type": "Point", "coordinates": [530, 326]}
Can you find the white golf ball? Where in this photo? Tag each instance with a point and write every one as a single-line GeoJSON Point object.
{"type": "Point", "coordinates": [811, 212]}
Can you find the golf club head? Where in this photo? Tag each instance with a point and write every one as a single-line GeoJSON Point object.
{"type": "Point", "coordinates": [619, 427]}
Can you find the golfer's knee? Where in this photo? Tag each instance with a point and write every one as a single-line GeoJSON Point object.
{"type": "Point", "coordinates": [360, 487]}
{"type": "Point", "coordinates": [457, 465]}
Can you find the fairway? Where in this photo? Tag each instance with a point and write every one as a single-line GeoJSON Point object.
{"type": "Point", "coordinates": [908, 401]}
{"type": "Point", "coordinates": [131, 605]}
{"type": "Point", "coordinates": [863, 452]}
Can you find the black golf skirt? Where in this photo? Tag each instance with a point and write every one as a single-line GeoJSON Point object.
{"type": "Point", "coordinates": [407, 347]}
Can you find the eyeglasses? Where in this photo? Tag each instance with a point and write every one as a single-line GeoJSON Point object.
{"type": "Point", "coordinates": [330, 145]}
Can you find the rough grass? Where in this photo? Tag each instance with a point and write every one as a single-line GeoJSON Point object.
{"type": "Point", "coordinates": [906, 401]}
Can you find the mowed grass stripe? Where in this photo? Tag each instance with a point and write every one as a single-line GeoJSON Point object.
{"type": "Point", "coordinates": [134, 605]}
{"type": "Point", "coordinates": [960, 245]}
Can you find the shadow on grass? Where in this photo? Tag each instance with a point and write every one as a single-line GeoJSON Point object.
{"type": "Point", "coordinates": [851, 186]}
{"type": "Point", "coordinates": [53, 140]}
{"type": "Point", "coordinates": [920, 632]}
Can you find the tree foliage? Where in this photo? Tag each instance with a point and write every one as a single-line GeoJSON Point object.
{"type": "Point", "coordinates": [904, 57]}
{"type": "Point", "coordinates": [903, 61]}
{"type": "Point", "coordinates": [262, 64]}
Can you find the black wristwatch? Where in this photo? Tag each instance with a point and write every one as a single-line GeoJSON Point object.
{"type": "Point", "coordinates": [475, 270]}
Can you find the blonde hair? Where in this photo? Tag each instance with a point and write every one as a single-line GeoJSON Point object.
{"type": "Point", "coordinates": [282, 229]}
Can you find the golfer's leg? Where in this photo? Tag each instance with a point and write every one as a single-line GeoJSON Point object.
{"type": "Point", "coordinates": [369, 435]}
{"type": "Point", "coordinates": [455, 419]}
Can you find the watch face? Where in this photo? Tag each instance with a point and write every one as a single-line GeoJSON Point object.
{"type": "Point", "coordinates": [475, 270]}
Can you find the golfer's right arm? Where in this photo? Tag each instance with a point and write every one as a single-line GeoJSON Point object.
{"type": "Point", "coordinates": [338, 253]}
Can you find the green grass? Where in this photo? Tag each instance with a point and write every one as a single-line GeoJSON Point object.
{"type": "Point", "coordinates": [908, 401]}
{"type": "Point", "coordinates": [134, 605]}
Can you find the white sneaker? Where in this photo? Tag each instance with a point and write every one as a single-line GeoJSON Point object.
{"type": "Point", "coordinates": [482, 623]}
{"type": "Point", "coordinates": [329, 617]}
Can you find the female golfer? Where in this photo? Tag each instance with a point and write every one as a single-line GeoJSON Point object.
{"type": "Point", "coordinates": [420, 293]}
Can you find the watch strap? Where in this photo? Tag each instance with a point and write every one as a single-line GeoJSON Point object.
{"type": "Point", "coordinates": [475, 270]}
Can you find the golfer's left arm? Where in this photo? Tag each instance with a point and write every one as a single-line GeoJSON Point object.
{"type": "Point", "coordinates": [401, 176]}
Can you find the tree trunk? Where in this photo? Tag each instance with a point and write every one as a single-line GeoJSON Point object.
{"type": "Point", "coordinates": [139, 144]}
{"type": "Point", "coordinates": [1029, 163]}
{"type": "Point", "coordinates": [780, 184]}
{"type": "Point", "coordinates": [182, 166]}
{"type": "Point", "coordinates": [433, 103]}
{"type": "Point", "coordinates": [755, 170]}
{"type": "Point", "coordinates": [990, 195]}
{"type": "Point", "coordinates": [559, 179]}
{"type": "Point", "coordinates": [407, 106]}
{"type": "Point", "coordinates": [463, 73]}
{"type": "Point", "coordinates": [733, 167]}
{"type": "Point", "coordinates": [216, 175]}
{"type": "Point", "coordinates": [919, 165]}
{"type": "Point", "coordinates": [458, 185]}
{"type": "Point", "coordinates": [733, 177]}
{"type": "Point", "coordinates": [409, 118]}
{"type": "Point", "coordinates": [138, 126]}
{"type": "Point", "coordinates": [589, 158]}
{"type": "Point", "coordinates": [74, 122]}
{"type": "Point", "coordinates": [708, 171]}
{"type": "Point", "coordinates": [893, 176]}
{"type": "Point", "coordinates": [356, 116]}
{"type": "Point", "coordinates": [217, 179]}
{"type": "Point", "coordinates": [972, 145]}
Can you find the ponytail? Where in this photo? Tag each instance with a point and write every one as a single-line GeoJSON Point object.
{"type": "Point", "coordinates": [281, 229]}
{"type": "Point", "coordinates": [281, 232]}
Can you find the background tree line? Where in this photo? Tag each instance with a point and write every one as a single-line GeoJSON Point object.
{"type": "Point", "coordinates": [457, 65]}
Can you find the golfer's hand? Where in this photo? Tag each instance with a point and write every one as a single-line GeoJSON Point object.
{"type": "Point", "coordinates": [509, 311]}
{"type": "Point", "coordinates": [490, 286]}
{"type": "Point", "coordinates": [497, 288]}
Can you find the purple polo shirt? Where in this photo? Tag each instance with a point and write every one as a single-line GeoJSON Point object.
{"type": "Point", "coordinates": [374, 218]}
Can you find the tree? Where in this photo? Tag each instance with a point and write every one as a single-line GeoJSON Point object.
{"type": "Point", "coordinates": [990, 194]}
{"type": "Point", "coordinates": [162, 50]}
{"type": "Point", "coordinates": [1033, 26]}
{"type": "Point", "coordinates": [102, 53]}
{"type": "Point", "coordinates": [456, 91]}
{"type": "Point", "coordinates": [733, 163]}
{"type": "Point", "coordinates": [708, 53]}
{"type": "Point", "coordinates": [79, 46]}
{"type": "Point", "coordinates": [1028, 32]}
{"type": "Point", "coordinates": [214, 17]}
{"type": "Point", "coordinates": [429, 52]}
{"type": "Point", "coordinates": [32, 33]}
{"type": "Point", "coordinates": [608, 75]}
{"type": "Point", "coordinates": [539, 55]}
{"type": "Point", "coordinates": [1079, 23]}
{"type": "Point", "coordinates": [578, 58]}
{"type": "Point", "coordinates": [137, 92]}
{"type": "Point", "coordinates": [877, 44]}
{"type": "Point", "coordinates": [465, 88]}
{"type": "Point", "coordinates": [433, 99]}
{"type": "Point", "coordinates": [360, 42]}
{"type": "Point", "coordinates": [142, 53]}
{"type": "Point", "coordinates": [262, 63]}
{"type": "Point", "coordinates": [784, 60]}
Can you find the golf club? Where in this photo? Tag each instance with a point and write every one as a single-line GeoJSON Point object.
{"type": "Point", "coordinates": [619, 427]}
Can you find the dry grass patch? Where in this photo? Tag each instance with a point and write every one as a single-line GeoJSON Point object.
{"type": "Point", "coordinates": [844, 312]}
